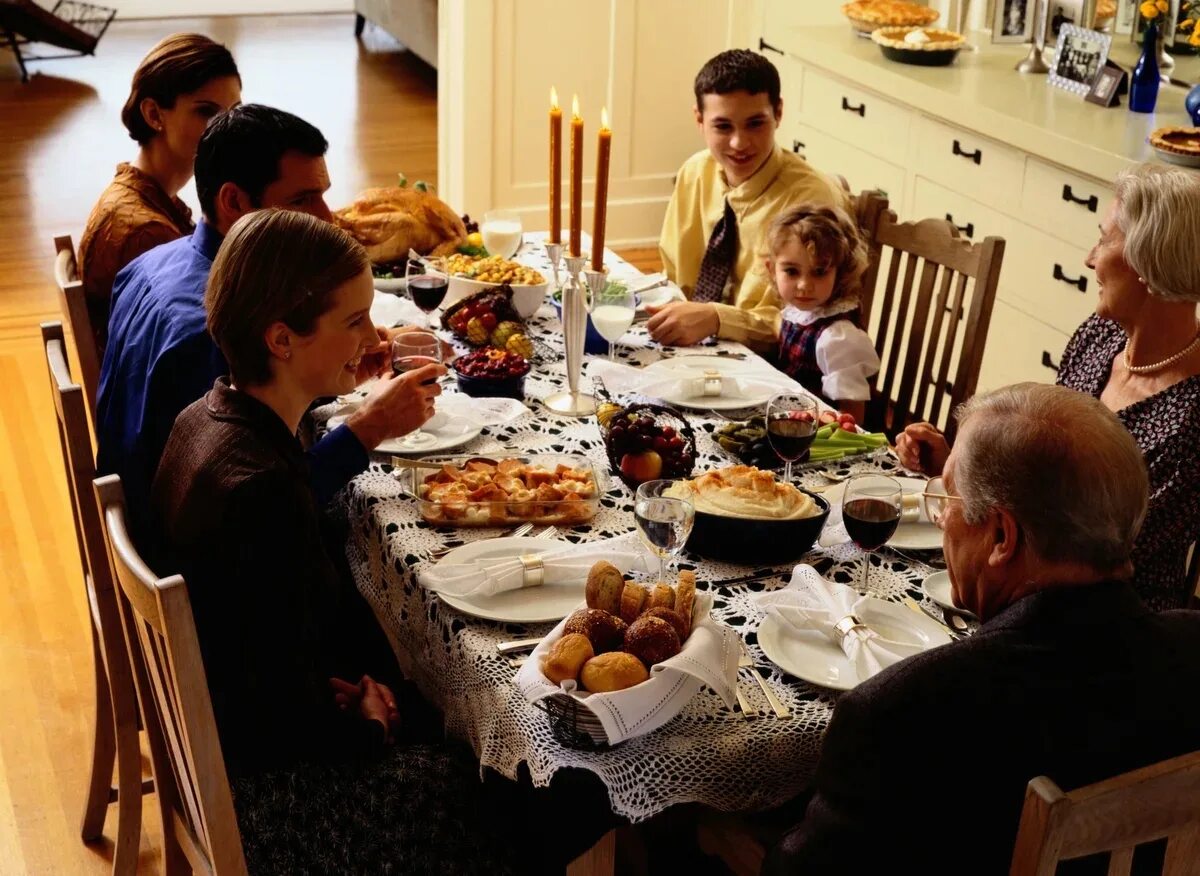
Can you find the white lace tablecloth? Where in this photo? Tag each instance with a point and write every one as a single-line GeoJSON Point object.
{"type": "Point", "coordinates": [707, 754]}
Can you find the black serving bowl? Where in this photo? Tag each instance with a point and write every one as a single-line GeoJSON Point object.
{"type": "Point", "coordinates": [490, 387]}
{"type": "Point", "coordinates": [935, 58]}
{"type": "Point", "coordinates": [758, 542]}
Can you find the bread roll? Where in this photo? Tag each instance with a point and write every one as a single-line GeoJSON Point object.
{"type": "Point", "coordinates": [633, 600]}
{"type": "Point", "coordinates": [651, 639]}
{"type": "Point", "coordinates": [613, 671]}
{"type": "Point", "coordinates": [663, 595]}
{"type": "Point", "coordinates": [685, 598]}
{"type": "Point", "coordinates": [566, 657]}
{"type": "Point", "coordinates": [605, 631]}
{"type": "Point", "coordinates": [604, 587]}
{"type": "Point", "coordinates": [674, 618]}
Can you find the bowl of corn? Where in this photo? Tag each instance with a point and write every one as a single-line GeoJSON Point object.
{"type": "Point", "coordinates": [469, 274]}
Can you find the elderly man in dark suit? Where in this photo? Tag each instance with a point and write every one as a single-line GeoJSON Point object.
{"type": "Point", "coordinates": [925, 765]}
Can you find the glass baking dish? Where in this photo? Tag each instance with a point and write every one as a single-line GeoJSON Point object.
{"type": "Point", "coordinates": [545, 489]}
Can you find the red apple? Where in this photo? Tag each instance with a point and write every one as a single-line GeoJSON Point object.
{"type": "Point", "coordinates": [641, 467]}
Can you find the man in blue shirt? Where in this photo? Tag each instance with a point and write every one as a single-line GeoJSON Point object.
{"type": "Point", "coordinates": [160, 357]}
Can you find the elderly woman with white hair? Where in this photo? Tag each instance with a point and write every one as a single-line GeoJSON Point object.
{"type": "Point", "coordinates": [1140, 355]}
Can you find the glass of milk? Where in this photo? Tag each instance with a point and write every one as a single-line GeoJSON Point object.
{"type": "Point", "coordinates": [501, 230]}
{"type": "Point", "coordinates": [612, 314]}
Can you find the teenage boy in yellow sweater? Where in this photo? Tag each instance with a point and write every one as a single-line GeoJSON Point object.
{"type": "Point", "coordinates": [725, 197]}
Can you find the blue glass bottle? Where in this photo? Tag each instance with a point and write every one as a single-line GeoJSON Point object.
{"type": "Point", "coordinates": [1143, 89]}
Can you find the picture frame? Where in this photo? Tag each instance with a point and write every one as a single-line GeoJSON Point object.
{"type": "Point", "coordinates": [1060, 13]}
{"type": "Point", "coordinates": [1079, 56]}
{"type": "Point", "coordinates": [1012, 21]}
{"type": "Point", "coordinates": [1107, 86]}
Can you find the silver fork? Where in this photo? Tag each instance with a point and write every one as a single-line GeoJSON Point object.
{"type": "Point", "coordinates": [548, 532]}
{"type": "Point", "coordinates": [745, 662]}
{"type": "Point", "coordinates": [523, 529]}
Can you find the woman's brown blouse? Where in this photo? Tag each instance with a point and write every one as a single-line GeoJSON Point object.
{"type": "Point", "coordinates": [133, 215]}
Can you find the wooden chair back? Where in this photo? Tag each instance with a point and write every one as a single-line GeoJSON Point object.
{"type": "Point", "coordinates": [116, 717]}
{"type": "Point", "coordinates": [73, 303]}
{"type": "Point", "coordinates": [200, 828]}
{"type": "Point", "coordinates": [929, 316]}
{"type": "Point", "coordinates": [1162, 800]}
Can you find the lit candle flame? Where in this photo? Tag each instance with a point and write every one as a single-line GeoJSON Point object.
{"type": "Point", "coordinates": [604, 118]}
{"type": "Point", "coordinates": [553, 98]}
{"type": "Point", "coordinates": [574, 106]}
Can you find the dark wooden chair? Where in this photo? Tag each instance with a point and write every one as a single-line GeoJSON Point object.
{"type": "Point", "coordinates": [115, 738]}
{"type": "Point", "coordinates": [200, 830]}
{"type": "Point", "coordinates": [928, 314]}
{"type": "Point", "coordinates": [1162, 800]}
{"type": "Point", "coordinates": [73, 304]}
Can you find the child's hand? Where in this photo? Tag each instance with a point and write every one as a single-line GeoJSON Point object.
{"type": "Point", "coordinates": [683, 323]}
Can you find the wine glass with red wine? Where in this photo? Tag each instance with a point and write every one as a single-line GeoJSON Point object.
{"type": "Point", "coordinates": [410, 351]}
{"type": "Point", "coordinates": [791, 427]}
{"type": "Point", "coordinates": [871, 509]}
{"type": "Point", "coordinates": [426, 288]}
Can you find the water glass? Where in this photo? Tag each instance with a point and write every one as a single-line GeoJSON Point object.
{"type": "Point", "coordinates": [663, 522]}
{"type": "Point", "coordinates": [612, 314]}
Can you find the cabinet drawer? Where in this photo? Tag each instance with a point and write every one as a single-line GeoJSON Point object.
{"type": "Point", "coordinates": [861, 169]}
{"type": "Point", "coordinates": [973, 220]}
{"type": "Point", "coordinates": [871, 123]}
{"type": "Point", "coordinates": [1063, 203]}
{"type": "Point", "coordinates": [1019, 349]}
{"type": "Point", "coordinates": [965, 162]}
{"type": "Point", "coordinates": [1048, 278]}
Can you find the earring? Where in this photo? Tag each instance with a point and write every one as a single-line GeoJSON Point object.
{"type": "Point", "coordinates": [288, 354]}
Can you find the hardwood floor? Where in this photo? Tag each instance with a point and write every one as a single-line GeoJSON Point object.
{"type": "Point", "coordinates": [61, 139]}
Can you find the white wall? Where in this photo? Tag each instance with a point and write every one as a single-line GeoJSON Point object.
{"type": "Point", "coordinates": [199, 8]}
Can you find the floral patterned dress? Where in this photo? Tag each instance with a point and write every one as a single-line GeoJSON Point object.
{"type": "Point", "coordinates": [1165, 426]}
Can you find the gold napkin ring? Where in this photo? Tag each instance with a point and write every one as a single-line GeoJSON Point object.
{"type": "Point", "coordinates": [847, 625]}
{"type": "Point", "coordinates": [712, 382]}
{"type": "Point", "coordinates": [534, 574]}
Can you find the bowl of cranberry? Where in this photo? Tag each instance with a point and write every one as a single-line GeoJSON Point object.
{"type": "Point", "coordinates": [492, 372]}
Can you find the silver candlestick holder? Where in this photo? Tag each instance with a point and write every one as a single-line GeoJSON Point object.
{"type": "Point", "coordinates": [1035, 62]}
{"type": "Point", "coordinates": [554, 253]}
{"type": "Point", "coordinates": [573, 403]}
{"type": "Point", "coordinates": [596, 283]}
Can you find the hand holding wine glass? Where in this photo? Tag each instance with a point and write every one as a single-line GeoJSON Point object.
{"type": "Point", "coordinates": [871, 508]}
{"type": "Point", "coordinates": [791, 427]}
{"type": "Point", "coordinates": [410, 351]}
{"type": "Point", "coordinates": [663, 522]}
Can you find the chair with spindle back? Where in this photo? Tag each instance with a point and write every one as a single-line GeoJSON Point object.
{"type": "Point", "coordinates": [1161, 800]}
{"type": "Point", "coordinates": [115, 735]}
{"type": "Point", "coordinates": [73, 303]}
{"type": "Point", "coordinates": [929, 317]}
{"type": "Point", "coordinates": [200, 830]}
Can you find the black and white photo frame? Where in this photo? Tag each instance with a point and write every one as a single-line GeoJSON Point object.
{"type": "Point", "coordinates": [1079, 56]}
{"type": "Point", "coordinates": [1012, 21]}
{"type": "Point", "coordinates": [1059, 14]}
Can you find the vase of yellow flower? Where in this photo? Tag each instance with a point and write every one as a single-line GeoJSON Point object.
{"type": "Point", "coordinates": [1143, 85]}
{"type": "Point", "coordinates": [1153, 30]}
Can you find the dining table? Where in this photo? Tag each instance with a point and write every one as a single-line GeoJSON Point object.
{"type": "Point", "coordinates": [709, 754]}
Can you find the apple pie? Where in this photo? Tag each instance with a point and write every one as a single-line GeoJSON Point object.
{"type": "Point", "coordinates": [1184, 142]}
{"type": "Point", "coordinates": [868, 15]}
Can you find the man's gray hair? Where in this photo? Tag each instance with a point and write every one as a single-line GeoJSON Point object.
{"type": "Point", "coordinates": [1061, 463]}
{"type": "Point", "coordinates": [1159, 213]}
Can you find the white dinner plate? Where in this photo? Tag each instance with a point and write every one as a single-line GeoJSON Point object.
{"type": "Point", "coordinates": [528, 605]}
{"type": "Point", "coordinates": [677, 366]}
{"type": "Point", "coordinates": [812, 656]}
{"type": "Point", "coordinates": [917, 535]}
{"type": "Point", "coordinates": [439, 433]}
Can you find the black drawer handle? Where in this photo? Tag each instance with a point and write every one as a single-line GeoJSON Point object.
{"type": "Point", "coordinates": [976, 156]}
{"type": "Point", "coordinates": [1079, 282]}
{"type": "Point", "coordinates": [861, 109]}
{"type": "Point", "coordinates": [798, 147]}
{"type": "Point", "coordinates": [968, 229]}
{"type": "Point", "coordinates": [1091, 203]}
{"type": "Point", "coordinates": [1048, 362]}
{"type": "Point", "coordinates": [763, 45]}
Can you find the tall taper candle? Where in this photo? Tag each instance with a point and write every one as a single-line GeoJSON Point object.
{"type": "Point", "coordinates": [555, 168]}
{"type": "Point", "coordinates": [600, 213]}
{"type": "Point", "coordinates": [576, 213]}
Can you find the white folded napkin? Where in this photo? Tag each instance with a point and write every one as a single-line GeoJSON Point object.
{"type": "Point", "coordinates": [481, 411]}
{"type": "Point", "coordinates": [809, 603]}
{"type": "Point", "coordinates": [561, 564]}
{"type": "Point", "coordinates": [619, 377]}
{"type": "Point", "coordinates": [709, 657]}
{"type": "Point", "coordinates": [389, 310]}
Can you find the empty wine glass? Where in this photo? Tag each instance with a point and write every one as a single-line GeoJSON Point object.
{"type": "Point", "coordinates": [426, 288]}
{"type": "Point", "coordinates": [612, 313]}
{"type": "Point", "coordinates": [791, 427]}
{"type": "Point", "coordinates": [663, 522]}
{"type": "Point", "coordinates": [501, 230]}
{"type": "Point", "coordinates": [410, 351]}
{"type": "Point", "coordinates": [871, 509]}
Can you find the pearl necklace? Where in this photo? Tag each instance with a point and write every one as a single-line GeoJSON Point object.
{"type": "Point", "coordinates": [1158, 366]}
